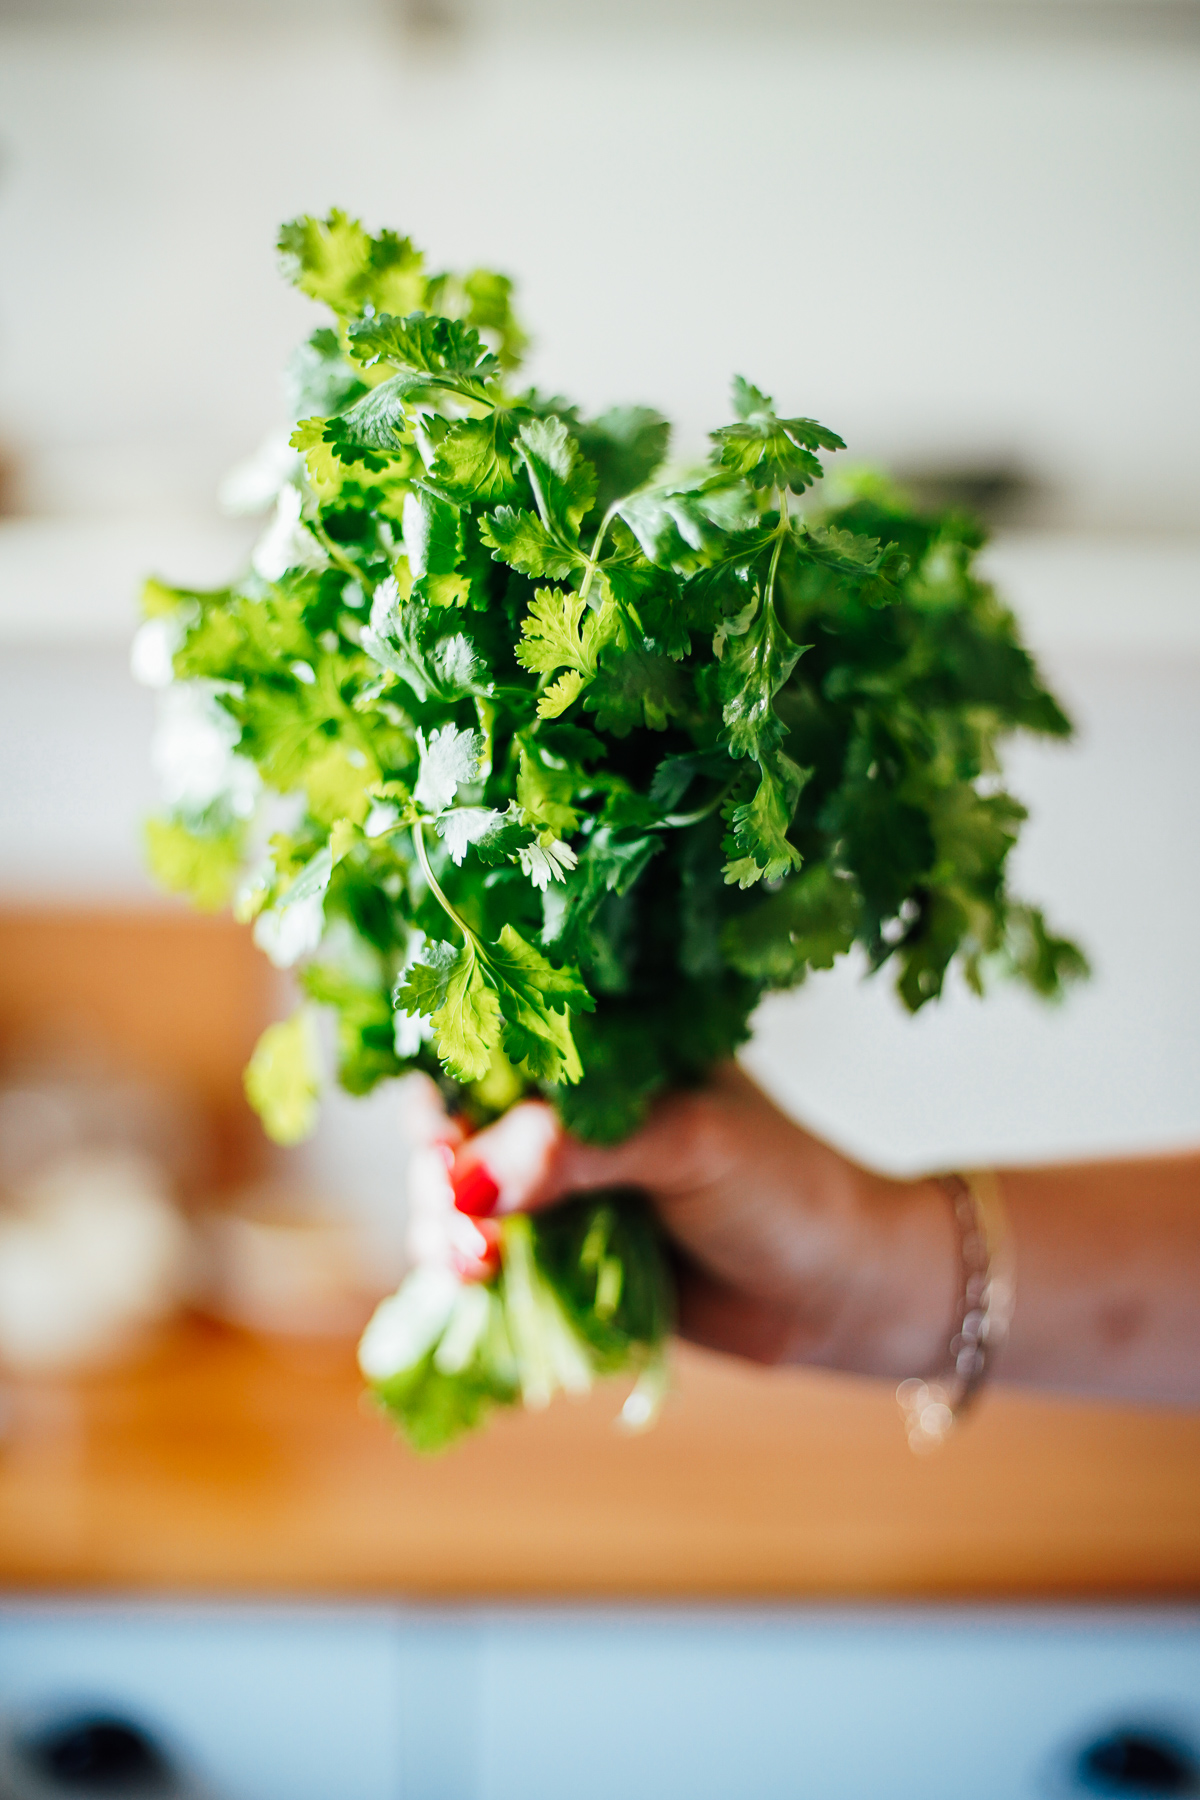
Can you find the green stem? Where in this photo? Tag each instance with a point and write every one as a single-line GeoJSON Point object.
{"type": "Point", "coordinates": [335, 556]}
{"type": "Point", "coordinates": [781, 533]}
{"type": "Point", "coordinates": [678, 820]}
{"type": "Point", "coordinates": [418, 834]}
{"type": "Point", "coordinates": [592, 564]}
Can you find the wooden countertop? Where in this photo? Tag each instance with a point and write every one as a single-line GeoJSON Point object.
{"type": "Point", "coordinates": [226, 1464]}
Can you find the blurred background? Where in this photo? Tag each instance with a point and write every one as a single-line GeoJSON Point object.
{"type": "Point", "coordinates": [963, 233]}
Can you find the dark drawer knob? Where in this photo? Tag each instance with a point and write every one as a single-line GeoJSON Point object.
{"type": "Point", "coordinates": [1137, 1762]}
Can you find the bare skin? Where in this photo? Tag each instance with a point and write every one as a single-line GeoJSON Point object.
{"type": "Point", "coordinates": [792, 1253]}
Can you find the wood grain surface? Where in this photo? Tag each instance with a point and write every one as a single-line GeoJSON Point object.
{"type": "Point", "coordinates": [227, 1464]}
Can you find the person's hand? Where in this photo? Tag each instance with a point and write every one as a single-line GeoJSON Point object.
{"type": "Point", "coordinates": [788, 1252]}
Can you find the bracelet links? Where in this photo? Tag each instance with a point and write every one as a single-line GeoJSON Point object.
{"type": "Point", "coordinates": [931, 1404]}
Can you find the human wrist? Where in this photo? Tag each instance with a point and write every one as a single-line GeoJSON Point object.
{"type": "Point", "coordinates": [889, 1303]}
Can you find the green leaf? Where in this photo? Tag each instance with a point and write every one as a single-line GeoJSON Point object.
{"type": "Point", "coordinates": [812, 920]}
{"type": "Point", "coordinates": [564, 484]}
{"type": "Point", "coordinates": [560, 694]}
{"type": "Point", "coordinates": [677, 524]}
{"type": "Point", "coordinates": [365, 1026]}
{"type": "Point", "coordinates": [421, 990]}
{"type": "Point", "coordinates": [553, 637]}
{"type": "Point", "coordinates": [336, 261]}
{"type": "Point", "coordinates": [636, 687]}
{"type": "Point", "coordinates": [450, 758]}
{"type": "Point", "coordinates": [402, 638]}
{"type": "Point", "coordinates": [768, 451]}
{"type": "Point", "coordinates": [321, 462]}
{"type": "Point", "coordinates": [450, 988]}
{"type": "Point", "coordinates": [625, 446]}
{"type": "Point", "coordinates": [159, 600]}
{"type": "Point", "coordinates": [489, 308]}
{"type": "Point", "coordinates": [204, 865]}
{"type": "Point", "coordinates": [544, 792]}
{"type": "Point", "coordinates": [336, 781]}
{"type": "Point", "coordinates": [1047, 963]}
{"type": "Point", "coordinates": [434, 346]}
{"type": "Point", "coordinates": [534, 996]}
{"type": "Point", "coordinates": [760, 825]}
{"type": "Point", "coordinates": [474, 464]}
{"type": "Point", "coordinates": [284, 727]}
{"type": "Point", "coordinates": [319, 380]}
{"type": "Point", "coordinates": [376, 422]}
{"type": "Point", "coordinates": [282, 1079]}
{"type": "Point", "coordinates": [754, 666]}
{"type": "Point", "coordinates": [467, 825]}
{"type": "Point", "coordinates": [521, 540]}
{"type": "Point", "coordinates": [749, 400]}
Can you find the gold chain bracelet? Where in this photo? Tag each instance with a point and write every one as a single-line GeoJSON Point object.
{"type": "Point", "coordinates": [931, 1404]}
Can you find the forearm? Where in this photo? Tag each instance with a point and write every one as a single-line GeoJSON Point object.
{"type": "Point", "coordinates": [1108, 1282]}
{"type": "Point", "coordinates": [1108, 1279]}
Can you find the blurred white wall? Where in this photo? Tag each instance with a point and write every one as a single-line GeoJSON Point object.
{"type": "Point", "coordinates": [965, 230]}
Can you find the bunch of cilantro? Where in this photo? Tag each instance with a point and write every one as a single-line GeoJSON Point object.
{"type": "Point", "coordinates": [543, 761]}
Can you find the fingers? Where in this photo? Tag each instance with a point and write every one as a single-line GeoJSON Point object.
{"type": "Point", "coordinates": [498, 1169]}
{"type": "Point", "coordinates": [526, 1160]}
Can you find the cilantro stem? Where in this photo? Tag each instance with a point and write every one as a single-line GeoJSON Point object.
{"type": "Point", "coordinates": [418, 836]}
{"type": "Point", "coordinates": [335, 556]}
{"type": "Point", "coordinates": [781, 532]}
{"type": "Point", "coordinates": [678, 820]}
{"type": "Point", "coordinates": [592, 563]}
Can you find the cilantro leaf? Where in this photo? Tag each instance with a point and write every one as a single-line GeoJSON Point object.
{"type": "Point", "coordinates": [449, 988]}
{"type": "Point", "coordinates": [466, 1025]}
{"type": "Point", "coordinates": [552, 638]}
{"type": "Point", "coordinates": [319, 379]}
{"type": "Point", "coordinates": [335, 260]}
{"type": "Point", "coordinates": [365, 1025]}
{"type": "Point", "coordinates": [545, 791]}
{"type": "Point", "coordinates": [474, 461]}
{"type": "Point", "coordinates": [204, 865]}
{"type": "Point", "coordinates": [625, 446]}
{"type": "Point", "coordinates": [564, 483]}
{"type": "Point", "coordinates": [636, 687]}
{"type": "Point", "coordinates": [534, 997]}
{"type": "Point", "coordinates": [521, 540]}
{"type": "Point", "coordinates": [431, 345]}
{"type": "Point", "coordinates": [812, 920]}
{"type": "Point", "coordinates": [283, 1081]}
{"type": "Point", "coordinates": [677, 523]}
{"type": "Point", "coordinates": [433, 537]}
{"type": "Point", "coordinates": [402, 639]}
{"type": "Point", "coordinates": [760, 825]}
{"type": "Point", "coordinates": [465, 826]}
{"type": "Point", "coordinates": [754, 666]}
{"type": "Point", "coordinates": [450, 758]}
{"type": "Point", "coordinates": [770, 452]}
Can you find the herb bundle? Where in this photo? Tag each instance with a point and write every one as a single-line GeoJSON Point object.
{"type": "Point", "coordinates": [582, 754]}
